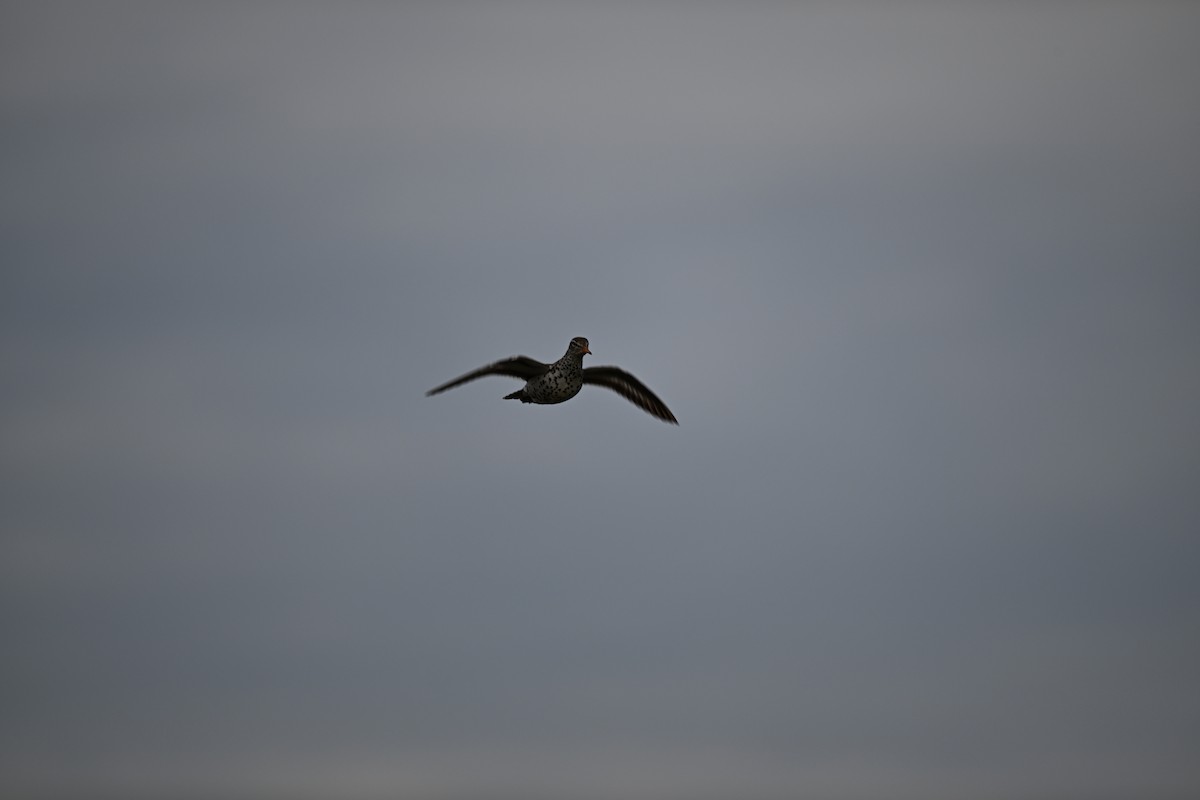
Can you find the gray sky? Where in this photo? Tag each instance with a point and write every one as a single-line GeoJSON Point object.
{"type": "Point", "coordinates": [919, 281]}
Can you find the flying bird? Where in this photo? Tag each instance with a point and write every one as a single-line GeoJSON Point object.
{"type": "Point", "coordinates": [562, 380]}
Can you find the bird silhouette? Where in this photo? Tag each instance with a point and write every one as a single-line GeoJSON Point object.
{"type": "Point", "coordinates": [558, 382]}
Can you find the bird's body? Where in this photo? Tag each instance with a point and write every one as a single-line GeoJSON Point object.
{"type": "Point", "coordinates": [547, 384]}
{"type": "Point", "coordinates": [561, 381]}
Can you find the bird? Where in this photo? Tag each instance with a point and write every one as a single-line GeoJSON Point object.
{"type": "Point", "coordinates": [558, 382]}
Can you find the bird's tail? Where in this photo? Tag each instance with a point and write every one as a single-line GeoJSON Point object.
{"type": "Point", "coordinates": [519, 394]}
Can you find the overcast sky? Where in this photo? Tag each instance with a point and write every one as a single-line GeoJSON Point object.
{"type": "Point", "coordinates": [920, 281]}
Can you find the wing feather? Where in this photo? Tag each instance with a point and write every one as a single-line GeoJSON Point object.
{"type": "Point", "coordinates": [629, 387]}
{"type": "Point", "coordinates": [521, 367]}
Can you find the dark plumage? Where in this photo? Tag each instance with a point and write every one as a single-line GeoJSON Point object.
{"type": "Point", "coordinates": [562, 380]}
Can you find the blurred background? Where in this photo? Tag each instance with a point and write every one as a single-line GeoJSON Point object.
{"type": "Point", "coordinates": [919, 280]}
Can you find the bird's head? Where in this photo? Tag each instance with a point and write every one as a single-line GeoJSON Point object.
{"type": "Point", "coordinates": [579, 347]}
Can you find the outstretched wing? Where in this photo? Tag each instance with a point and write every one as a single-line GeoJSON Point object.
{"type": "Point", "coordinates": [522, 367]}
{"type": "Point", "coordinates": [630, 388]}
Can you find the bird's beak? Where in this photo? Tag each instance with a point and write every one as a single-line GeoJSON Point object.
{"type": "Point", "coordinates": [586, 351]}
